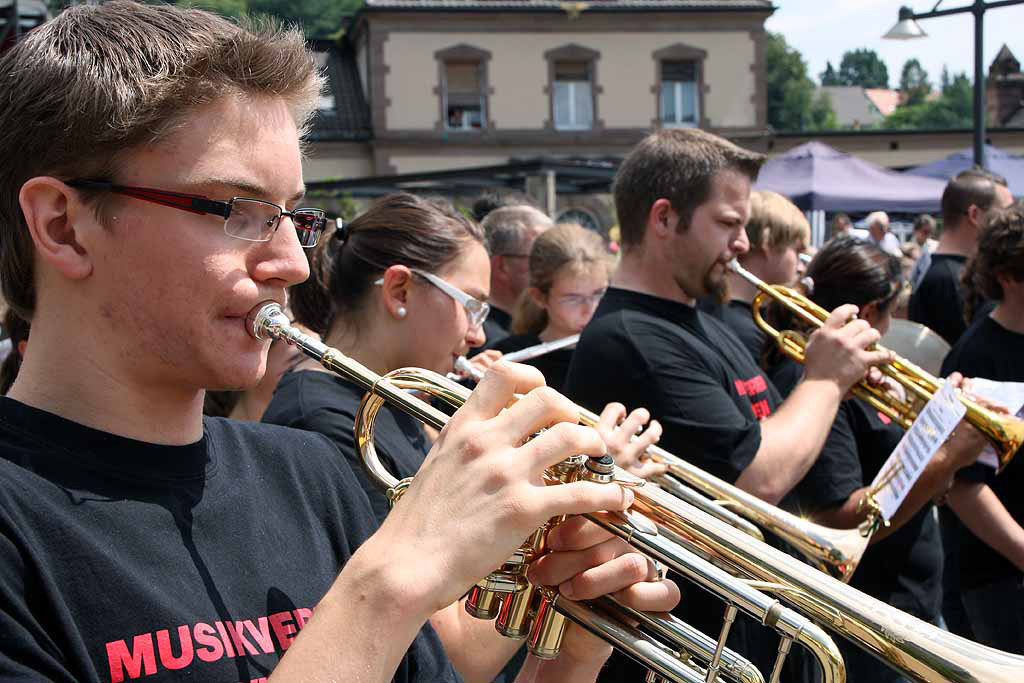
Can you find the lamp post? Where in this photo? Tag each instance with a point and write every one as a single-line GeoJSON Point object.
{"type": "Point", "coordinates": [906, 28]}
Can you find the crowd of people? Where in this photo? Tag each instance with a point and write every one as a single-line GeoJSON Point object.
{"type": "Point", "coordinates": [180, 499]}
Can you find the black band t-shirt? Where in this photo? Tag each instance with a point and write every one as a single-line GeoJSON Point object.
{"type": "Point", "coordinates": [685, 367]}
{"type": "Point", "coordinates": [122, 560]}
{"type": "Point", "coordinates": [326, 403]}
{"type": "Point", "coordinates": [554, 365]}
{"type": "Point", "coordinates": [989, 350]}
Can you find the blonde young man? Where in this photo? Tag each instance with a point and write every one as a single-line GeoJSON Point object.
{"type": "Point", "coordinates": [151, 197]}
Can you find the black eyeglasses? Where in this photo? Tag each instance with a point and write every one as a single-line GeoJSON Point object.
{"type": "Point", "coordinates": [253, 220]}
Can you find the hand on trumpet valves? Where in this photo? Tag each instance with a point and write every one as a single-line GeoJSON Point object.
{"type": "Point", "coordinates": [627, 440]}
{"type": "Point", "coordinates": [586, 562]}
{"type": "Point", "coordinates": [481, 490]}
{"type": "Point", "coordinates": [842, 349]}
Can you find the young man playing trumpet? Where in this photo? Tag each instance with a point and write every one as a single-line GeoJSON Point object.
{"type": "Point", "coordinates": [150, 200]}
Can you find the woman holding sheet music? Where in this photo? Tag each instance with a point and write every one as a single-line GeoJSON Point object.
{"type": "Point", "coordinates": [904, 565]}
{"type": "Point", "coordinates": [991, 558]}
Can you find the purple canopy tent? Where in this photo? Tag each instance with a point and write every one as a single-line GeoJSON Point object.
{"type": "Point", "coordinates": [815, 176]}
{"type": "Point", "coordinates": [999, 161]}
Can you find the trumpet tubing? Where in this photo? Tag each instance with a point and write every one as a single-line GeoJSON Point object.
{"type": "Point", "coordinates": [679, 534]}
{"type": "Point", "coordinates": [548, 612]}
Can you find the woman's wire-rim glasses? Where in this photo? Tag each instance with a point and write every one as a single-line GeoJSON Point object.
{"type": "Point", "coordinates": [252, 220]}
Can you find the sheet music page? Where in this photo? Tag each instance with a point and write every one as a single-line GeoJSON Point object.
{"type": "Point", "coordinates": [916, 449]}
{"type": "Point", "coordinates": [1009, 394]}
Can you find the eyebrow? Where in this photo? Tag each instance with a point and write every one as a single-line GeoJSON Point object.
{"type": "Point", "coordinates": [247, 188]}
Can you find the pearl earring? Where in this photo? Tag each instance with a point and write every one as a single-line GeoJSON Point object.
{"type": "Point", "coordinates": [400, 311]}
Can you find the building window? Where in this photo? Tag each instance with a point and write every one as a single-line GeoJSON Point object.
{"type": "Point", "coordinates": [679, 87]}
{"type": "Point", "coordinates": [463, 96]}
{"type": "Point", "coordinates": [462, 88]}
{"type": "Point", "coordinates": [573, 88]}
{"type": "Point", "coordinates": [574, 96]}
{"type": "Point", "coordinates": [680, 103]}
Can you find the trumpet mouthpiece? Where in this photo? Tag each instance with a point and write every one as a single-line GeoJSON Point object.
{"type": "Point", "coordinates": [261, 317]}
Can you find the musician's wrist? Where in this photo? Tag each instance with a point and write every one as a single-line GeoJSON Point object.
{"type": "Point", "coordinates": [386, 576]}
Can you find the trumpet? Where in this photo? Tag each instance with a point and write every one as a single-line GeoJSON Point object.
{"type": "Point", "coordinates": [660, 642]}
{"type": "Point", "coordinates": [680, 535]}
{"type": "Point", "coordinates": [1005, 433]}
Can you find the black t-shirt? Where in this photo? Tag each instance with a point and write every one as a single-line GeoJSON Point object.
{"type": "Point", "coordinates": [938, 302]}
{"type": "Point", "coordinates": [784, 372]}
{"type": "Point", "coordinates": [905, 568]}
{"type": "Point", "coordinates": [553, 364]}
{"type": "Point", "coordinates": [683, 365]}
{"type": "Point", "coordinates": [124, 560]}
{"type": "Point", "coordinates": [326, 403]}
{"type": "Point", "coordinates": [696, 378]}
{"type": "Point", "coordinates": [989, 350]}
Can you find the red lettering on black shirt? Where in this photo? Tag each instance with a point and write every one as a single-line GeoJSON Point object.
{"type": "Point", "coordinates": [752, 387]}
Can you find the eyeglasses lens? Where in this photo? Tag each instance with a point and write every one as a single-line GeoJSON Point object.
{"type": "Point", "coordinates": [252, 220]}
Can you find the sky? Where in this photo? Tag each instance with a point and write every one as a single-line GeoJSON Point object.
{"type": "Point", "coordinates": [822, 30]}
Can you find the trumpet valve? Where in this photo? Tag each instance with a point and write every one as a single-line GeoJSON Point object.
{"type": "Point", "coordinates": [483, 603]}
{"type": "Point", "coordinates": [548, 627]}
{"type": "Point", "coordinates": [514, 619]}
{"type": "Point", "coordinates": [599, 470]}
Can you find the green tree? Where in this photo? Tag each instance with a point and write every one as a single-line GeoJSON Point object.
{"type": "Point", "coordinates": [953, 109]}
{"type": "Point", "coordinates": [318, 18]}
{"type": "Point", "coordinates": [829, 75]}
{"type": "Point", "coordinates": [914, 83]}
{"type": "Point", "coordinates": [863, 67]}
{"type": "Point", "coordinates": [792, 103]}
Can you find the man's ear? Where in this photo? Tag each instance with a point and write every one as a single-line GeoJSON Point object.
{"type": "Point", "coordinates": [662, 218]}
{"type": "Point", "coordinates": [58, 221]}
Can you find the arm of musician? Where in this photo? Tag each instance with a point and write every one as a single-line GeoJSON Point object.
{"type": "Point", "coordinates": [837, 357]}
{"type": "Point", "coordinates": [477, 651]}
{"type": "Point", "coordinates": [984, 514]}
{"type": "Point", "coordinates": [791, 440]}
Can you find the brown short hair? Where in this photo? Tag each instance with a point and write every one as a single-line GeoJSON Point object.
{"type": "Point", "coordinates": [775, 221]}
{"type": "Point", "coordinates": [677, 165]}
{"type": "Point", "coordinates": [99, 80]}
{"type": "Point", "coordinates": [974, 186]}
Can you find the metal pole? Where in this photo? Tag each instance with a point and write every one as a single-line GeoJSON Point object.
{"type": "Point", "coordinates": [979, 84]}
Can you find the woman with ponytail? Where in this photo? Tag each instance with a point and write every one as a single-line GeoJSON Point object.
{"type": "Point", "coordinates": [569, 272]}
{"type": "Point", "coordinates": [903, 566]}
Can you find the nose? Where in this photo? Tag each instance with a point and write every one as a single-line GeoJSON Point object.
{"type": "Point", "coordinates": [475, 336]}
{"type": "Point", "coordinates": [282, 260]}
{"type": "Point", "coordinates": [741, 243]}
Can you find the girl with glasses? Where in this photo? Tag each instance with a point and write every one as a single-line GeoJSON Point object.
{"type": "Point", "coordinates": [569, 269]}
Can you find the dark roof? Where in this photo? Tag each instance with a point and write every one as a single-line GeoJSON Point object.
{"type": "Point", "coordinates": [572, 176]}
{"type": "Point", "coordinates": [350, 118]}
{"type": "Point", "coordinates": [562, 6]}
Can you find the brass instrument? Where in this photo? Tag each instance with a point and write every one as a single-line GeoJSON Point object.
{"type": "Point", "coordinates": [538, 613]}
{"type": "Point", "coordinates": [679, 534]}
{"type": "Point", "coordinates": [1005, 433]}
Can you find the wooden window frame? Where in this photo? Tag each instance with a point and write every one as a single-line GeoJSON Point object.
{"type": "Point", "coordinates": [573, 53]}
{"type": "Point", "coordinates": [463, 53]}
{"type": "Point", "coordinates": [680, 53]}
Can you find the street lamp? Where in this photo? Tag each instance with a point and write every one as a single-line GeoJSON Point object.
{"type": "Point", "coordinates": [906, 28]}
